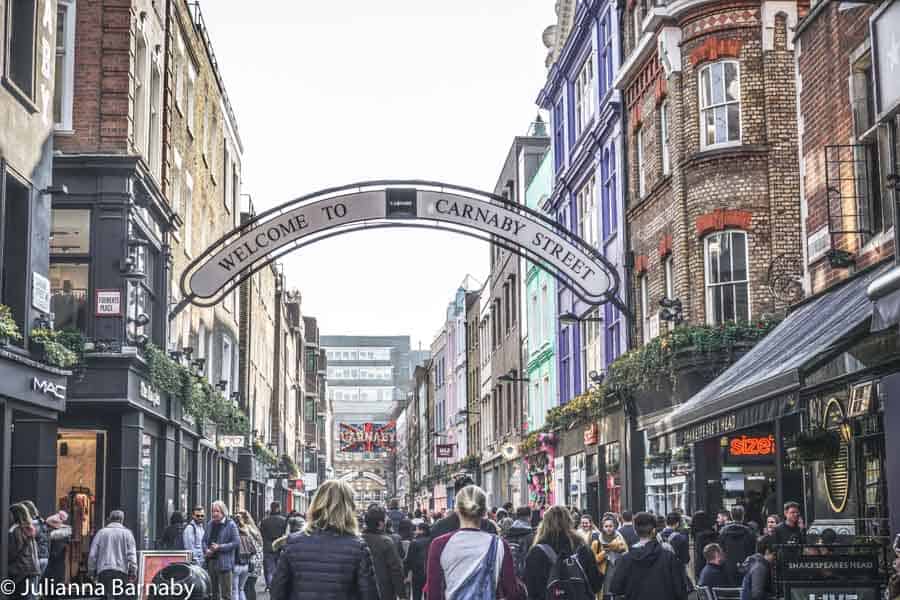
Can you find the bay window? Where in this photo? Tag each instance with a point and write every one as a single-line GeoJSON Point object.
{"type": "Point", "coordinates": [720, 103]}
{"type": "Point", "coordinates": [726, 277]}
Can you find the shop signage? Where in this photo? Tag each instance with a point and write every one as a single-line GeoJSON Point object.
{"type": "Point", "coordinates": [752, 446]}
{"type": "Point", "coordinates": [310, 481]}
{"type": "Point", "coordinates": [146, 391]}
{"type": "Point", "coordinates": [591, 434]}
{"type": "Point", "coordinates": [259, 242]}
{"type": "Point", "coordinates": [109, 303]}
{"type": "Point", "coordinates": [232, 441]}
{"type": "Point", "coordinates": [857, 566]}
{"type": "Point", "coordinates": [368, 437]}
{"type": "Point", "coordinates": [444, 450]}
{"type": "Point", "coordinates": [40, 292]}
{"type": "Point", "coordinates": [48, 387]}
{"type": "Point", "coordinates": [827, 592]}
{"type": "Point", "coordinates": [713, 428]}
{"type": "Point", "coordinates": [860, 399]}
{"type": "Point", "coordinates": [886, 57]}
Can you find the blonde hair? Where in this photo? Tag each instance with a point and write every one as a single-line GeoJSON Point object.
{"type": "Point", "coordinates": [555, 527]}
{"type": "Point", "coordinates": [332, 507]}
{"type": "Point", "coordinates": [471, 502]}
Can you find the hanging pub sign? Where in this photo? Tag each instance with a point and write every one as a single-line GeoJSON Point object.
{"type": "Point", "coordinates": [368, 437]}
{"type": "Point", "coordinates": [591, 434]}
{"type": "Point", "coordinates": [444, 450]}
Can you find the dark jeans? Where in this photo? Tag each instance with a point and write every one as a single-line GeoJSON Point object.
{"type": "Point", "coordinates": [270, 561]}
{"type": "Point", "coordinates": [109, 579]}
{"type": "Point", "coordinates": [250, 587]}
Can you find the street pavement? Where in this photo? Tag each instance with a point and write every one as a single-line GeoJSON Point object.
{"type": "Point", "coordinates": [261, 593]}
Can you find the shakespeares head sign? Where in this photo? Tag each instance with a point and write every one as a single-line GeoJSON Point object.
{"type": "Point", "coordinates": [400, 204]}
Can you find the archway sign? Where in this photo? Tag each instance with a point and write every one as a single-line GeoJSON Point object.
{"type": "Point", "coordinates": [370, 205]}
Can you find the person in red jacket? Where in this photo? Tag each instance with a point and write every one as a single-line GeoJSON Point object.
{"type": "Point", "coordinates": [467, 562]}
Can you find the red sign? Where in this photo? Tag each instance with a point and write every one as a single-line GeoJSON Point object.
{"type": "Point", "coordinates": [752, 446]}
{"type": "Point", "coordinates": [444, 450]}
{"type": "Point", "coordinates": [368, 437]}
{"type": "Point", "coordinates": [591, 435]}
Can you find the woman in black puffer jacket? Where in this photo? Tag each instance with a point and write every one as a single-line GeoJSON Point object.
{"type": "Point", "coordinates": [328, 559]}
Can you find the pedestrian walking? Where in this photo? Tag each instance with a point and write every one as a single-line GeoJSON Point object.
{"type": "Point", "coordinates": [520, 537]}
{"type": "Point", "coordinates": [587, 529]}
{"type": "Point", "coordinates": [60, 534]}
{"type": "Point", "coordinates": [608, 548]}
{"type": "Point", "coordinates": [385, 559]}
{"type": "Point", "coordinates": [256, 562]}
{"type": "Point", "coordinates": [243, 562]}
{"type": "Point", "coordinates": [220, 547]}
{"type": "Point", "coordinates": [703, 535]}
{"type": "Point", "coordinates": [627, 529]}
{"type": "Point", "coordinates": [723, 518]}
{"type": "Point", "coordinates": [22, 560]}
{"type": "Point", "coordinates": [557, 545]}
{"type": "Point", "coordinates": [791, 530]}
{"type": "Point", "coordinates": [295, 524]}
{"type": "Point", "coordinates": [395, 515]}
{"type": "Point", "coordinates": [405, 532]}
{"type": "Point", "coordinates": [328, 559]}
{"type": "Point", "coordinates": [772, 522]}
{"type": "Point", "coordinates": [415, 564]}
{"type": "Point", "coordinates": [113, 556]}
{"type": "Point", "coordinates": [193, 535]}
{"type": "Point", "coordinates": [272, 528]}
{"type": "Point", "coordinates": [757, 581]}
{"type": "Point", "coordinates": [676, 538]}
{"type": "Point", "coordinates": [713, 574]}
{"type": "Point", "coordinates": [173, 535]}
{"type": "Point", "coordinates": [471, 563]}
{"type": "Point", "coordinates": [452, 522]}
{"type": "Point", "coordinates": [738, 541]}
{"type": "Point", "coordinates": [41, 538]}
{"type": "Point", "coordinates": [648, 571]}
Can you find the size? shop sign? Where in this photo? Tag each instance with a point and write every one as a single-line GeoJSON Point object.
{"type": "Point", "coordinates": [752, 446]}
{"type": "Point", "coordinates": [109, 303]}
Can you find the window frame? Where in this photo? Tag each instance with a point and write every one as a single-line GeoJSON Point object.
{"type": "Point", "coordinates": [190, 92]}
{"type": "Point", "coordinates": [664, 134]}
{"type": "Point", "coordinates": [610, 225]}
{"type": "Point", "coordinates": [583, 89]}
{"type": "Point", "coordinates": [27, 96]}
{"type": "Point", "coordinates": [641, 163]}
{"type": "Point", "coordinates": [188, 216]}
{"type": "Point", "coordinates": [702, 110]}
{"type": "Point", "coordinates": [644, 299]}
{"type": "Point", "coordinates": [79, 259]}
{"type": "Point", "coordinates": [586, 203]}
{"type": "Point", "coordinates": [65, 124]}
{"type": "Point", "coordinates": [591, 360]}
{"type": "Point", "coordinates": [668, 277]}
{"type": "Point", "coordinates": [707, 286]}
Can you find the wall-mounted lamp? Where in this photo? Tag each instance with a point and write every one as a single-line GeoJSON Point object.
{"type": "Point", "coordinates": [55, 190]}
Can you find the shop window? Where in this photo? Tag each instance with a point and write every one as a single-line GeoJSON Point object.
{"type": "Point", "coordinates": [720, 104]}
{"type": "Point", "coordinates": [16, 204]}
{"type": "Point", "coordinates": [727, 278]}
{"type": "Point", "coordinates": [185, 477]}
{"type": "Point", "coordinates": [613, 460]}
{"type": "Point", "coordinates": [20, 33]}
{"type": "Point", "coordinates": [70, 237]}
{"type": "Point", "coordinates": [148, 488]}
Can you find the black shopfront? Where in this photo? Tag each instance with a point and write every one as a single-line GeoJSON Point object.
{"type": "Point", "coordinates": [802, 417]}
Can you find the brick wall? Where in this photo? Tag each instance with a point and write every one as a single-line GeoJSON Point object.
{"type": "Point", "coordinates": [751, 186]}
{"type": "Point", "coordinates": [829, 42]}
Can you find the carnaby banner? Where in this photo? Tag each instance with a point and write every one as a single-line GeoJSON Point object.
{"type": "Point", "coordinates": [368, 437]}
{"type": "Point", "coordinates": [583, 269]}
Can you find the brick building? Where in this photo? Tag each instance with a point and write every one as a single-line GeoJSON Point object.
{"type": "Point", "coordinates": [712, 198]}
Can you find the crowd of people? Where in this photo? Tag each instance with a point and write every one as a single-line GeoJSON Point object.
{"type": "Point", "coordinates": [471, 553]}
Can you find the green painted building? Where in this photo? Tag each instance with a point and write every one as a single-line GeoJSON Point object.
{"type": "Point", "coordinates": [540, 314]}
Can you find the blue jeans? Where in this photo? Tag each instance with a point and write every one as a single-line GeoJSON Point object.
{"type": "Point", "coordinates": [238, 579]}
{"type": "Point", "coordinates": [270, 561]}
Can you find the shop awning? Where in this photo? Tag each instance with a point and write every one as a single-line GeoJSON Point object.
{"type": "Point", "coordinates": [773, 367]}
{"type": "Point", "coordinates": [884, 292]}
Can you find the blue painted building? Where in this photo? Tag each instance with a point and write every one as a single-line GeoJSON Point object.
{"type": "Point", "coordinates": [587, 198]}
{"type": "Point", "coordinates": [587, 138]}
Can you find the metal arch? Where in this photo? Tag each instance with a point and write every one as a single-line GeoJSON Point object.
{"type": "Point", "coordinates": [420, 221]}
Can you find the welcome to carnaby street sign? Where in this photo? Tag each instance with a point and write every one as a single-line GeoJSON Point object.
{"type": "Point", "coordinates": [324, 214]}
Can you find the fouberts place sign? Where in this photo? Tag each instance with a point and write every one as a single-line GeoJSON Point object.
{"type": "Point", "coordinates": [401, 204]}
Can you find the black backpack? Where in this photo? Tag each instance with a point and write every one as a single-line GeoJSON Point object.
{"type": "Point", "coordinates": [567, 579]}
{"type": "Point", "coordinates": [519, 551]}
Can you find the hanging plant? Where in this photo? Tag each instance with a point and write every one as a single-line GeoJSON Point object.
{"type": "Point", "coordinates": [817, 444]}
{"type": "Point", "coordinates": [9, 329]}
{"type": "Point", "coordinates": [263, 454]}
{"type": "Point", "coordinates": [50, 350]}
{"type": "Point", "coordinates": [288, 466]}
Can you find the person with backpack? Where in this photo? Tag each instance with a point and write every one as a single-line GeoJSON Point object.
{"type": "Point", "coordinates": [649, 571]}
{"type": "Point", "coordinates": [470, 563]}
{"type": "Point", "coordinates": [519, 537]}
{"type": "Point", "coordinates": [193, 535]}
{"type": "Point", "coordinates": [272, 528]}
{"type": "Point", "coordinates": [738, 541]}
{"type": "Point", "coordinates": [388, 567]}
{"type": "Point", "coordinates": [560, 564]}
{"type": "Point", "coordinates": [256, 561]}
{"type": "Point", "coordinates": [676, 538]}
{"type": "Point", "coordinates": [243, 560]}
{"type": "Point", "coordinates": [451, 522]}
{"type": "Point", "coordinates": [757, 580]}
{"type": "Point", "coordinates": [627, 529]}
{"type": "Point", "coordinates": [173, 535]}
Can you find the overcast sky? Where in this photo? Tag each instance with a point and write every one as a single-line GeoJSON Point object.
{"type": "Point", "coordinates": [334, 92]}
